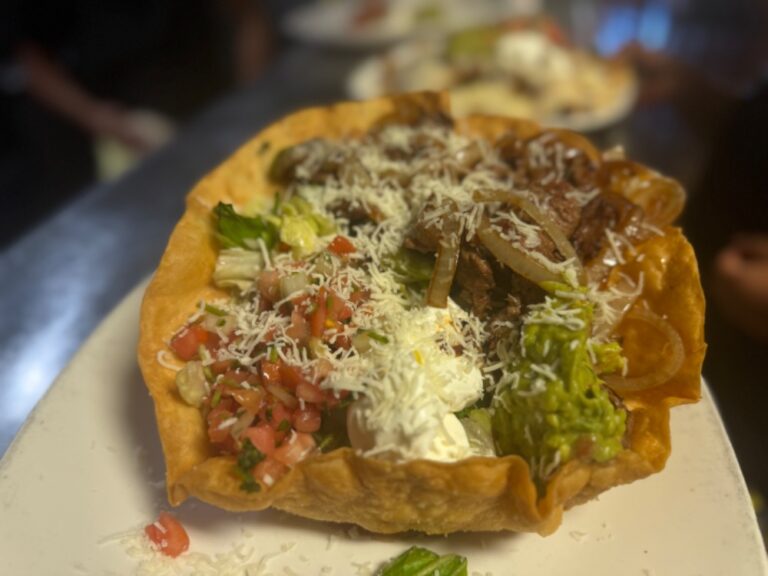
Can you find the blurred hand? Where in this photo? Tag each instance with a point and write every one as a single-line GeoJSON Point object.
{"type": "Point", "coordinates": [741, 283]}
{"type": "Point", "coordinates": [49, 82]}
{"type": "Point", "coordinates": [108, 119]}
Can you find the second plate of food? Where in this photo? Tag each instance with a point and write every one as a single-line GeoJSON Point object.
{"type": "Point", "coordinates": [522, 68]}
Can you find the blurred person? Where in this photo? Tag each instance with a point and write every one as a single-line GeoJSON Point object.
{"type": "Point", "coordinates": [712, 70]}
{"type": "Point", "coordinates": [741, 283]}
{"type": "Point", "coordinates": [73, 71]}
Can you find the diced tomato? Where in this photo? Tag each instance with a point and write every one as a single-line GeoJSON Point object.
{"type": "Point", "coordinates": [310, 392]}
{"type": "Point", "coordinates": [307, 420]}
{"type": "Point", "coordinates": [213, 342]}
{"type": "Point", "coordinates": [263, 437]}
{"type": "Point", "coordinates": [276, 414]}
{"type": "Point", "coordinates": [236, 376]}
{"type": "Point", "coordinates": [336, 308]}
{"type": "Point", "coordinates": [252, 400]}
{"type": "Point", "coordinates": [187, 342]}
{"type": "Point", "coordinates": [299, 328]}
{"type": "Point", "coordinates": [269, 471]}
{"type": "Point", "coordinates": [270, 372]}
{"type": "Point", "coordinates": [318, 315]}
{"type": "Point", "coordinates": [291, 376]}
{"type": "Point", "coordinates": [222, 366]}
{"type": "Point", "coordinates": [295, 449]}
{"type": "Point", "coordinates": [168, 535]}
{"type": "Point", "coordinates": [269, 285]}
{"type": "Point", "coordinates": [341, 245]}
{"type": "Point", "coordinates": [224, 411]}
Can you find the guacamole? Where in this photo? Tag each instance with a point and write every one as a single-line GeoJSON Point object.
{"type": "Point", "coordinates": [550, 406]}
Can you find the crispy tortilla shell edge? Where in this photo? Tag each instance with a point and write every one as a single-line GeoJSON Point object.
{"type": "Point", "coordinates": [477, 494]}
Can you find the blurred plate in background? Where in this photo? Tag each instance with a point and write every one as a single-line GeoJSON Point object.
{"type": "Point", "coordinates": [524, 74]}
{"type": "Point", "coordinates": [361, 24]}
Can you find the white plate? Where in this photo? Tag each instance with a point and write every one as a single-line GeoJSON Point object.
{"type": "Point", "coordinates": [330, 22]}
{"type": "Point", "coordinates": [366, 81]}
{"type": "Point", "coordinates": [87, 466]}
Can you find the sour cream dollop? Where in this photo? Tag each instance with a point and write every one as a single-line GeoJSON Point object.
{"type": "Point", "coordinates": [414, 385]}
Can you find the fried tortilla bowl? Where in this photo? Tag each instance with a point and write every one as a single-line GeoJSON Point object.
{"type": "Point", "coordinates": [476, 494]}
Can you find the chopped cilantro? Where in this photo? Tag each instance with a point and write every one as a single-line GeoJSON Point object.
{"type": "Point", "coordinates": [418, 561]}
{"type": "Point", "coordinates": [211, 309]}
{"type": "Point", "coordinates": [324, 441]}
{"type": "Point", "coordinates": [248, 458]}
{"type": "Point", "coordinates": [248, 483]}
{"type": "Point", "coordinates": [249, 455]}
{"type": "Point", "coordinates": [380, 338]}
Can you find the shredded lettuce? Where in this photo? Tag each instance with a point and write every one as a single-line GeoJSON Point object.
{"type": "Point", "coordinates": [297, 206]}
{"type": "Point", "coordinates": [237, 268]}
{"type": "Point", "coordinates": [235, 230]}
{"type": "Point", "coordinates": [299, 233]}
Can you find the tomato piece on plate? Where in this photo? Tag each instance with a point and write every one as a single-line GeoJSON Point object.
{"type": "Point", "coordinates": [341, 245]}
{"type": "Point", "coordinates": [168, 535]}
